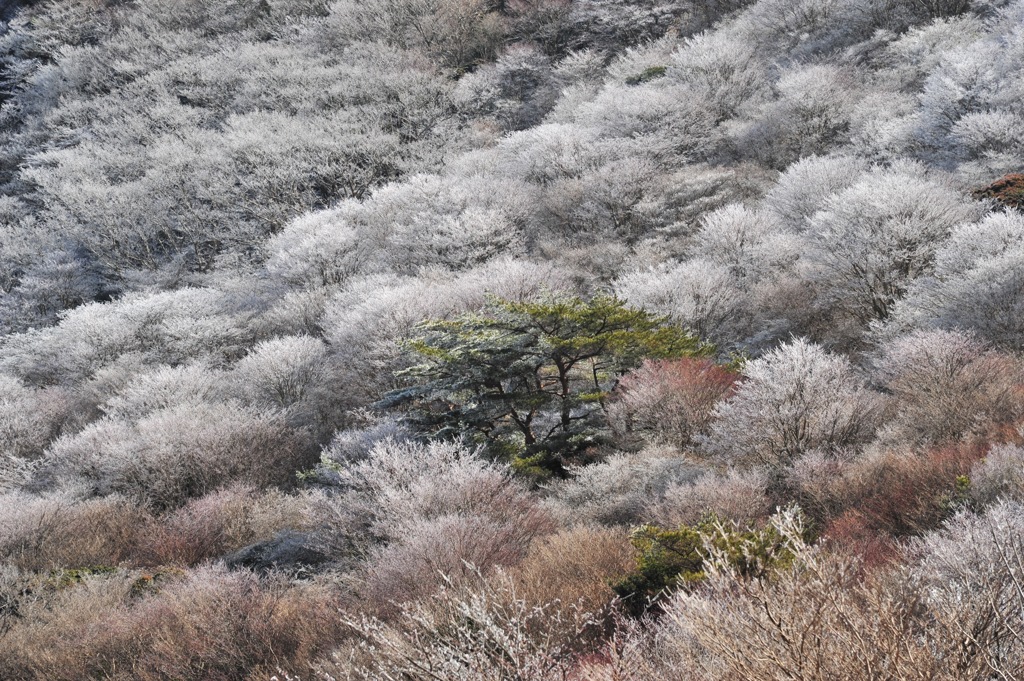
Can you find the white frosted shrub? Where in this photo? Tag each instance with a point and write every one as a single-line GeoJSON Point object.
{"type": "Point", "coordinates": [176, 454]}
{"type": "Point", "coordinates": [621, 490]}
{"type": "Point", "coordinates": [317, 249]}
{"type": "Point", "coordinates": [164, 387]}
{"type": "Point", "coordinates": [1000, 475]}
{"type": "Point", "coordinates": [722, 70]}
{"type": "Point", "coordinates": [874, 238]}
{"type": "Point", "coordinates": [281, 372]}
{"type": "Point", "coordinates": [796, 398]}
{"type": "Point", "coordinates": [701, 295]}
{"type": "Point", "coordinates": [737, 496]}
{"type": "Point", "coordinates": [189, 324]}
{"type": "Point", "coordinates": [810, 116]}
{"type": "Point", "coordinates": [750, 242]}
{"type": "Point", "coordinates": [970, 575]}
{"type": "Point", "coordinates": [477, 634]}
{"type": "Point", "coordinates": [803, 188]}
{"type": "Point", "coordinates": [978, 284]}
{"type": "Point", "coordinates": [430, 508]}
{"type": "Point", "coordinates": [29, 417]}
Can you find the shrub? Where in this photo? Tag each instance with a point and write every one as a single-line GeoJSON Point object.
{"type": "Point", "coordinates": [947, 385]}
{"type": "Point", "coordinates": [999, 475]}
{"type": "Point", "coordinates": [794, 399]}
{"type": "Point", "coordinates": [670, 401]}
{"type": "Point", "coordinates": [177, 454]}
{"type": "Point", "coordinates": [49, 532]}
{"type": "Point", "coordinates": [207, 624]}
{"type": "Point", "coordinates": [977, 284]}
{"type": "Point", "coordinates": [736, 496]}
{"type": "Point", "coordinates": [900, 493]}
{"type": "Point", "coordinates": [475, 635]}
{"type": "Point", "coordinates": [970, 577]}
{"type": "Point", "coordinates": [700, 294]}
{"type": "Point", "coordinates": [456, 548]}
{"type": "Point", "coordinates": [572, 570]}
{"type": "Point", "coordinates": [621, 489]}
{"type": "Point", "coordinates": [163, 387]}
{"type": "Point", "coordinates": [278, 373]}
{"type": "Point", "coordinates": [217, 524]}
{"type": "Point", "coordinates": [874, 238]}
{"type": "Point", "coordinates": [409, 516]}
{"type": "Point", "coordinates": [30, 418]}
{"type": "Point", "coordinates": [813, 615]}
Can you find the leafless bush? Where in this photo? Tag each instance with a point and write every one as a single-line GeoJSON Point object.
{"type": "Point", "coordinates": [670, 401]}
{"type": "Point", "coordinates": [739, 496]}
{"type": "Point", "coordinates": [794, 399]}
{"type": "Point", "coordinates": [43, 533]}
{"type": "Point", "coordinates": [210, 624]}
{"type": "Point", "coordinates": [947, 385]}
{"type": "Point", "coordinates": [970, 577]}
{"type": "Point", "coordinates": [456, 548]}
{"type": "Point", "coordinates": [999, 474]}
{"type": "Point", "coordinates": [571, 571]}
{"type": "Point", "coordinates": [30, 418]}
{"type": "Point", "coordinates": [471, 635]}
{"type": "Point", "coordinates": [415, 514]}
{"type": "Point", "coordinates": [174, 455]}
{"type": "Point", "coordinates": [896, 493]}
{"type": "Point", "coordinates": [218, 523]}
{"type": "Point", "coordinates": [815, 616]}
{"type": "Point", "coordinates": [621, 489]}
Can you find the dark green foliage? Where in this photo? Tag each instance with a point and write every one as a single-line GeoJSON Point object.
{"type": "Point", "coordinates": [665, 559]}
{"type": "Point", "coordinates": [647, 75]}
{"type": "Point", "coordinates": [957, 499]}
{"type": "Point", "coordinates": [668, 559]}
{"type": "Point", "coordinates": [528, 380]}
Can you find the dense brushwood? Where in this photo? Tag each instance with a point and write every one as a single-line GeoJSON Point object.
{"type": "Point", "coordinates": [491, 340]}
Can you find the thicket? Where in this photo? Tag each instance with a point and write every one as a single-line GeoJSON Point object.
{"type": "Point", "coordinates": [534, 339]}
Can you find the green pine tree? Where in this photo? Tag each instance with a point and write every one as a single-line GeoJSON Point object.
{"type": "Point", "coordinates": [527, 380]}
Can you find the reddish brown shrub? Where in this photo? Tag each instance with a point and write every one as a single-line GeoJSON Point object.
{"type": "Point", "coordinates": [217, 524]}
{"type": "Point", "coordinates": [670, 401]}
{"type": "Point", "coordinates": [231, 625]}
{"type": "Point", "coordinates": [900, 494]}
{"type": "Point", "coordinates": [44, 533]}
{"type": "Point", "coordinates": [852, 532]}
{"type": "Point", "coordinates": [1007, 190]}
{"type": "Point", "coordinates": [574, 566]}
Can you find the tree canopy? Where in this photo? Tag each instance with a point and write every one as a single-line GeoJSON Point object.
{"type": "Point", "coordinates": [528, 379]}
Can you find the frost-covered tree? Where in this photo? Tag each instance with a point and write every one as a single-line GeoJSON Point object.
{"type": "Point", "coordinates": [978, 284]}
{"type": "Point", "coordinates": [874, 238]}
{"type": "Point", "coordinates": [809, 116]}
{"type": "Point", "coordinates": [282, 372]}
{"type": "Point", "coordinates": [701, 295]}
{"type": "Point", "coordinates": [794, 399]}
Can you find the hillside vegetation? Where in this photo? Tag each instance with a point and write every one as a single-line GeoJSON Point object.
{"type": "Point", "coordinates": [525, 340]}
